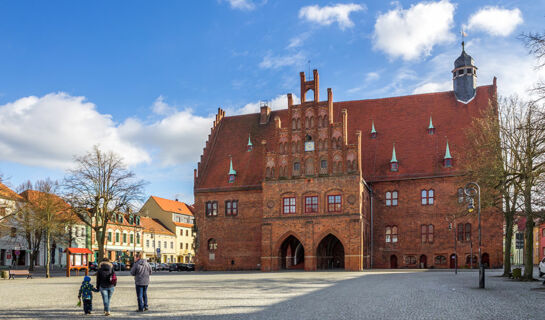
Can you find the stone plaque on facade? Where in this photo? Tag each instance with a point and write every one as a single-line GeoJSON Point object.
{"type": "Point", "coordinates": [351, 199]}
{"type": "Point", "coordinates": [270, 204]}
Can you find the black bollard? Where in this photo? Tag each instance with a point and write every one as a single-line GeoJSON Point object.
{"type": "Point", "coordinates": [481, 276]}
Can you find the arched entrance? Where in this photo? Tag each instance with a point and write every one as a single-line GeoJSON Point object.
{"type": "Point", "coordinates": [453, 261]}
{"type": "Point", "coordinates": [330, 253]}
{"type": "Point", "coordinates": [292, 254]}
{"type": "Point", "coordinates": [423, 261]}
{"type": "Point", "coordinates": [393, 261]}
{"type": "Point", "coordinates": [486, 260]}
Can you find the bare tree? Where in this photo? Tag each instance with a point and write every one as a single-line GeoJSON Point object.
{"type": "Point", "coordinates": [99, 186]}
{"type": "Point", "coordinates": [535, 42]}
{"type": "Point", "coordinates": [493, 141]}
{"type": "Point", "coordinates": [46, 215]}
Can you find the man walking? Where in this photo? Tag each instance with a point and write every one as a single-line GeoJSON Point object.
{"type": "Point", "coordinates": [141, 271]}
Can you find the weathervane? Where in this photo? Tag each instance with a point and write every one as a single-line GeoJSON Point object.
{"type": "Point", "coordinates": [463, 34]}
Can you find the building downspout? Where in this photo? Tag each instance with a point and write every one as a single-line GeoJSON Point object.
{"type": "Point", "coordinates": [370, 189]}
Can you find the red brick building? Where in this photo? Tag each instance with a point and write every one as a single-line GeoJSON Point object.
{"type": "Point", "coordinates": [353, 184]}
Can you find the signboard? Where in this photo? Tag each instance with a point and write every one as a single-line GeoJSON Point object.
{"type": "Point", "coordinates": [158, 251]}
{"type": "Point", "coordinates": [519, 244]}
{"type": "Point", "coordinates": [17, 252]}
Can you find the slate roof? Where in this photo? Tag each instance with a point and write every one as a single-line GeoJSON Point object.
{"type": "Point", "coordinates": [401, 120]}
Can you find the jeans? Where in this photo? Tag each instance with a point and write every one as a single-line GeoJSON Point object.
{"type": "Point", "coordinates": [107, 294]}
{"type": "Point", "coordinates": [87, 306]}
{"type": "Point", "coordinates": [142, 296]}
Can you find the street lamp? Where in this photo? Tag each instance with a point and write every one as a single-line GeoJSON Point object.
{"type": "Point", "coordinates": [471, 190]}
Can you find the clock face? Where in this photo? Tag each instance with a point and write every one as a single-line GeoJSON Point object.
{"type": "Point", "coordinates": [309, 146]}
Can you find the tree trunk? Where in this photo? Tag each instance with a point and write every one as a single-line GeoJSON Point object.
{"type": "Point", "coordinates": [48, 253]}
{"type": "Point", "coordinates": [528, 235]}
{"type": "Point", "coordinates": [100, 237]}
{"type": "Point", "coordinates": [508, 242]}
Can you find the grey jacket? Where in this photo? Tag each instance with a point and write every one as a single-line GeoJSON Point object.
{"type": "Point", "coordinates": [141, 271]}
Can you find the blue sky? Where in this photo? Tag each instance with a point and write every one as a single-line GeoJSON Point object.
{"type": "Point", "coordinates": [145, 78]}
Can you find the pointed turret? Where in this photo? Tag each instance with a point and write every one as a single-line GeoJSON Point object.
{"type": "Point", "coordinates": [431, 128]}
{"type": "Point", "coordinates": [232, 172]}
{"type": "Point", "coordinates": [250, 145]}
{"type": "Point", "coordinates": [447, 159]}
{"type": "Point", "coordinates": [373, 131]}
{"type": "Point", "coordinates": [393, 163]}
{"type": "Point", "coordinates": [464, 77]}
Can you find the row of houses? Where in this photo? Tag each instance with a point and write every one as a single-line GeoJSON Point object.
{"type": "Point", "coordinates": [518, 251]}
{"type": "Point", "coordinates": [162, 230]}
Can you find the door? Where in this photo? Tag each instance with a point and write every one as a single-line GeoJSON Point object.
{"type": "Point", "coordinates": [393, 261]}
{"type": "Point", "coordinates": [453, 261]}
{"type": "Point", "coordinates": [423, 262]}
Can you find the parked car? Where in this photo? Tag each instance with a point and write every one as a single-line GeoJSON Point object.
{"type": "Point", "coordinates": [162, 266]}
{"type": "Point", "coordinates": [93, 266]}
{"type": "Point", "coordinates": [119, 266]}
{"type": "Point", "coordinates": [190, 267]}
{"type": "Point", "coordinates": [542, 268]}
{"type": "Point", "coordinates": [176, 267]}
{"type": "Point", "coordinates": [153, 266]}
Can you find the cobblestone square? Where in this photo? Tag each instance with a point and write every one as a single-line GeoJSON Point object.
{"type": "Point", "coordinates": [288, 295]}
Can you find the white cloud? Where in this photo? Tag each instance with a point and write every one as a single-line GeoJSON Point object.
{"type": "Point", "coordinates": [495, 21]}
{"type": "Point", "coordinates": [433, 87]}
{"type": "Point", "coordinates": [175, 139]}
{"type": "Point", "coordinates": [413, 32]}
{"type": "Point", "coordinates": [274, 62]}
{"type": "Point", "coordinates": [161, 108]}
{"type": "Point", "coordinates": [329, 14]}
{"type": "Point", "coordinates": [241, 4]}
{"type": "Point", "coordinates": [298, 40]}
{"type": "Point", "coordinates": [48, 131]}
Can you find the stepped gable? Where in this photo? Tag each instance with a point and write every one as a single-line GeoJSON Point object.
{"type": "Point", "coordinates": [403, 120]}
{"type": "Point", "coordinates": [232, 139]}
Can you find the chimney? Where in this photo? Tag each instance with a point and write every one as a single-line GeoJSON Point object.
{"type": "Point", "coordinates": [290, 100]}
{"type": "Point", "coordinates": [330, 105]}
{"type": "Point", "coordinates": [265, 114]}
{"type": "Point", "coordinates": [277, 122]}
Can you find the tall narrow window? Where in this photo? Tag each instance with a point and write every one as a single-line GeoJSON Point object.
{"type": "Point", "coordinates": [288, 205]}
{"type": "Point", "coordinates": [430, 233]}
{"type": "Point", "coordinates": [228, 208]}
{"type": "Point", "coordinates": [424, 233]}
{"type": "Point", "coordinates": [394, 198]}
{"type": "Point", "coordinates": [388, 234]}
{"type": "Point", "coordinates": [394, 234]}
{"type": "Point", "coordinates": [424, 195]}
{"type": "Point", "coordinates": [431, 196]}
{"type": "Point", "coordinates": [468, 231]}
{"type": "Point", "coordinates": [311, 204]}
{"type": "Point", "coordinates": [460, 232]}
{"type": "Point", "coordinates": [334, 203]}
{"type": "Point", "coordinates": [388, 199]}
{"type": "Point", "coordinates": [212, 245]}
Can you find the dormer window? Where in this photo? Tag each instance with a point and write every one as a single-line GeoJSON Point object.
{"type": "Point", "coordinates": [373, 131]}
{"type": "Point", "coordinates": [394, 167]}
{"type": "Point", "coordinates": [250, 145]}
{"type": "Point", "coordinates": [431, 128]}
{"type": "Point", "coordinates": [447, 160]}
{"type": "Point", "coordinates": [232, 172]}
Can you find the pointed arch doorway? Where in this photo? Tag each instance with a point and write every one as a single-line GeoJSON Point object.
{"type": "Point", "coordinates": [292, 254]}
{"type": "Point", "coordinates": [330, 253]}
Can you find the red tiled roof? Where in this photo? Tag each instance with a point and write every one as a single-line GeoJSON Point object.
{"type": "Point", "coordinates": [78, 250]}
{"type": "Point", "coordinates": [185, 225]}
{"type": "Point", "coordinates": [7, 193]}
{"type": "Point", "coordinates": [400, 120]}
{"type": "Point", "coordinates": [151, 225]}
{"type": "Point", "coordinates": [173, 206]}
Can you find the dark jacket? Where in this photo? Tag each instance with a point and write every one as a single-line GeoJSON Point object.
{"type": "Point", "coordinates": [86, 291]}
{"type": "Point", "coordinates": [141, 271]}
{"type": "Point", "coordinates": [104, 274]}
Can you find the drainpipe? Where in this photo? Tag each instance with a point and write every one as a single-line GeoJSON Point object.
{"type": "Point", "coordinates": [371, 227]}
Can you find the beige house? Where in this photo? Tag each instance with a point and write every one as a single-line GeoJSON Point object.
{"type": "Point", "coordinates": [178, 218]}
{"type": "Point", "coordinates": [159, 242]}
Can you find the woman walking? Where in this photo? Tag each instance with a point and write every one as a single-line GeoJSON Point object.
{"type": "Point", "coordinates": [106, 281]}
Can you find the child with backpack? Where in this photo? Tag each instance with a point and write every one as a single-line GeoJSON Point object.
{"type": "Point", "coordinates": [86, 294]}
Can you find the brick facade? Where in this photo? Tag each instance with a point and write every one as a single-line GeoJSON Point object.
{"type": "Point", "coordinates": [326, 151]}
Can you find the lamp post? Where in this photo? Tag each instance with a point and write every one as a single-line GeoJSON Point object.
{"type": "Point", "coordinates": [471, 190]}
